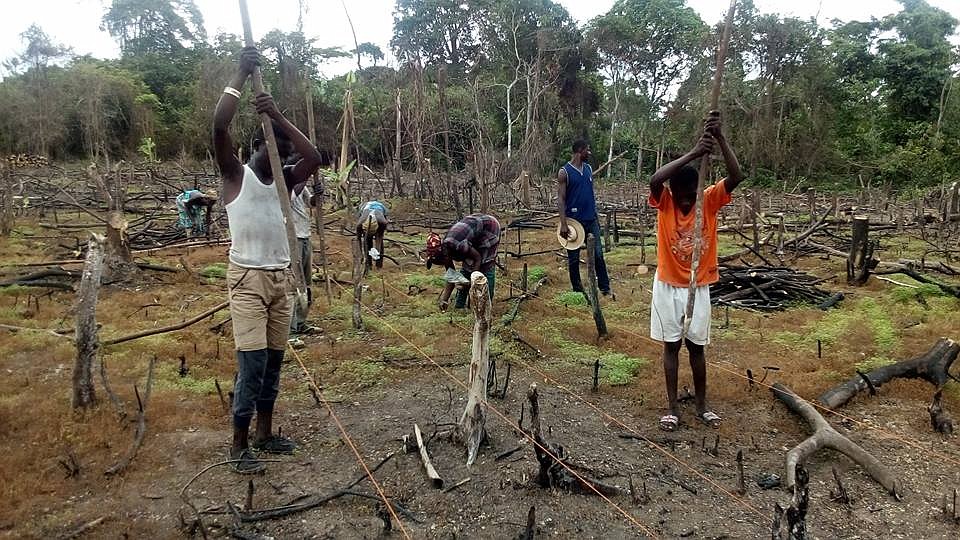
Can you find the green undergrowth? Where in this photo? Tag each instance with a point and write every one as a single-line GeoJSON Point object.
{"type": "Point", "coordinates": [364, 372]}
{"type": "Point", "coordinates": [923, 292]}
{"type": "Point", "coordinates": [617, 368]}
{"type": "Point", "coordinates": [424, 280]}
{"type": "Point", "coordinates": [535, 274]}
{"type": "Point", "coordinates": [14, 290]}
{"type": "Point", "coordinates": [620, 255]}
{"type": "Point", "coordinates": [832, 329]}
{"type": "Point", "coordinates": [167, 377]}
{"type": "Point", "coordinates": [570, 298]}
{"type": "Point", "coordinates": [215, 270]}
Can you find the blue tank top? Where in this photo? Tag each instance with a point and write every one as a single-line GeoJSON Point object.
{"type": "Point", "coordinates": [581, 204]}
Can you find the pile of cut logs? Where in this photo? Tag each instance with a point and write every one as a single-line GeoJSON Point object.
{"type": "Point", "coordinates": [767, 288]}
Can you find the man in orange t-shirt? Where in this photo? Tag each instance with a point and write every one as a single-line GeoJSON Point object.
{"type": "Point", "coordinates": [675, 239]}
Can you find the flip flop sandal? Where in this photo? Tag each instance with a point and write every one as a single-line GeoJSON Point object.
{"type": "Point", "coordinates": [669, 422]}
{"type": "Point", "coordinates": [709, 418]}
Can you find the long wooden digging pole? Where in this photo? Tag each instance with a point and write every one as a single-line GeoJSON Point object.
{"type": "Point", "coordinates": [276, 167]}
{"type": "Point", "coordinates": [704, 169]}
{"type": "Point", "coordinates": [318, 189]}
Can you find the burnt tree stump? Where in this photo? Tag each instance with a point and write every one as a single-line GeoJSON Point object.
{"type": "Point", "coordinates": [473, 422]}
{"type": "Point", "coordinates": [861, 252]}
{"type": "Point", "coordinates": [87, 340]}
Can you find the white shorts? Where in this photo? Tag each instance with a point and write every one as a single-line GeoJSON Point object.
{"type": "Point", "coordinates": [667, 311]}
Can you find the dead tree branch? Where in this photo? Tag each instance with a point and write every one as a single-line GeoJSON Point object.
{"type": "Point", "coordinates": [824, 436]}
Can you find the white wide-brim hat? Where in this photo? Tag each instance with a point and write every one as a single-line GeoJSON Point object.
{"type": "Point", "coordinates": [576, 235]}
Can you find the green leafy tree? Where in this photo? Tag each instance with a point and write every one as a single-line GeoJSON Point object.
{"type": "Point", "coordinates": [154, 26]}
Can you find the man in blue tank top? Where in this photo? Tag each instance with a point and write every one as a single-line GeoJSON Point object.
{"type": "Point", "coordinates": [576, 200]}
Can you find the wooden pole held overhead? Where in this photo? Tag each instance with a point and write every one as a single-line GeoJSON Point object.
{"type": "Point", "coordinates": [276, 167]}
{"type": "Point", "coordinates": [704, 169]}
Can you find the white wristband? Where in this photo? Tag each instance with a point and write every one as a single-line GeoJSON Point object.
{"type": "Point", "coordinates": [232, 91]}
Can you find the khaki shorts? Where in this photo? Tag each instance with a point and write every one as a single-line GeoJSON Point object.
{"type": "Point", "coordinates": [261, 302]}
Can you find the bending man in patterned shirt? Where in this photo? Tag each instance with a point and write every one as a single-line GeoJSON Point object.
{"type": "Point", "coordinates": [474, 241]}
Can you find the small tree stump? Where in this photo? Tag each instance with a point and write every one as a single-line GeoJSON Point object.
{"type": "Point", "coordinates": [473, 422]}
{"type": "Point", "coordinates": [858, 262]}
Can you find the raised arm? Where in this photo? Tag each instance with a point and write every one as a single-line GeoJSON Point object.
{"type": "Point", "coordinates": [231, 170]}
{"type": "Point", "coordinates": [310, 157]}
{"type": "Point", "coordinates": [562, 201]}
{"type": "Point", "coordinates": [669, 170]}
{"type": "Point", "coordinates": [734, 174]}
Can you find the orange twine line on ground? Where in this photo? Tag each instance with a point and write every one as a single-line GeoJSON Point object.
{"type": "Point", "coordinates": [620, 423]}
{"type": "Point", "coordinates": [350, 443]}
{"type": "Point", "coordinates": [509, 422]}
{"type": "Point", "coordinates": [910, 442]}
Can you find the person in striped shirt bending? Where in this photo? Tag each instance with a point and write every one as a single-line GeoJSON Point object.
{"type": "Point", "coordinates": [474, 241]}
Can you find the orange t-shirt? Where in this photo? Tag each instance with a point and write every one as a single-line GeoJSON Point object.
{"type": "Point", "coordinates": [675, 237]}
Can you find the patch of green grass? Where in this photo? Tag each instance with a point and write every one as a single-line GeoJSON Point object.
{"type": "Point", "coordinates": [422, 280]}
{"type": "Point", "coordinates": [536, 273]}
{"type": "Point", "coordinates": [788, 339]}
{"type": "Point", "coordinates": [621, 255]}
{"type": "Point", "coordinates": [620, 369]}
{"type": "Point", "coordinates": [215, 270]}
{"type": "Point", "coordinates": [727, 245]}
{"type": "Point", "coordinates": [873, 363]}
{"type": "Point", "coordinates": [14, 290]}
{"type": "Point", "coordinates": [11, 313]}
{"type": "Point", "coordinates": [923, 292]}
{"type": "Point", "coordinates": [571, 298]}
{"type": "Point", "coordinates": [365, 372]}
{"type": "Point", "coordinates": [391, 353]}
{"type": "Point", "coordinates": [167, 377]}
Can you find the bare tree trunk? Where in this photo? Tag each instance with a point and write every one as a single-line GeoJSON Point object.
{"type": "Point", "coordinates": [397, 165]}
{"type": "Point", "coordinates": [451, 184]}
{"type": "Point", "coordinates": [343, 186]}
{"type": "Point", "coordinates": [932, 366]}
{"type": "Point", "coordinates": [591, 289]}
{"type": "Point", "coordinates": [87, 341]}
{"type": "Point", "coordinates": [473, 421]}
{"type": "Point", "coordinates": [6, 218]}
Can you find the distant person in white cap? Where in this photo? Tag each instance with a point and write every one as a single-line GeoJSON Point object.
{"type": "Point", "coordinates": [577, 202]}
{"type": "Point", "coordinates": [371, 224]}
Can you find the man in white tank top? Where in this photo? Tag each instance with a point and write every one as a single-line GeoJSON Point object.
{"type": "Point", "coordinates": [259, 279]}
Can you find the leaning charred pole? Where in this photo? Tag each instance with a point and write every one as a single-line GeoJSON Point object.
{"type": "Point", "coordinates": [87, 340]}
{"type": "Point", "coordinates": [472, 427]}
{"type": "Point", "coordinates": [932, 366]}
{"type": "Point", "coordinates": [593, 295]}
{"type": "Point", "coordinates": [276, 167]}
{"type": "Point", "coordinates": [824, 436]}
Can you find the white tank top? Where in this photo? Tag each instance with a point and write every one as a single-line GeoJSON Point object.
{"type": "Point", "coordinates": [257, 230]}
{"type": "Point", "coordinates": [300, 214]}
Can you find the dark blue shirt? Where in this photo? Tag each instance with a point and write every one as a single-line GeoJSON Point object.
{"type": "Point", "coordinates": [581, 204]}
